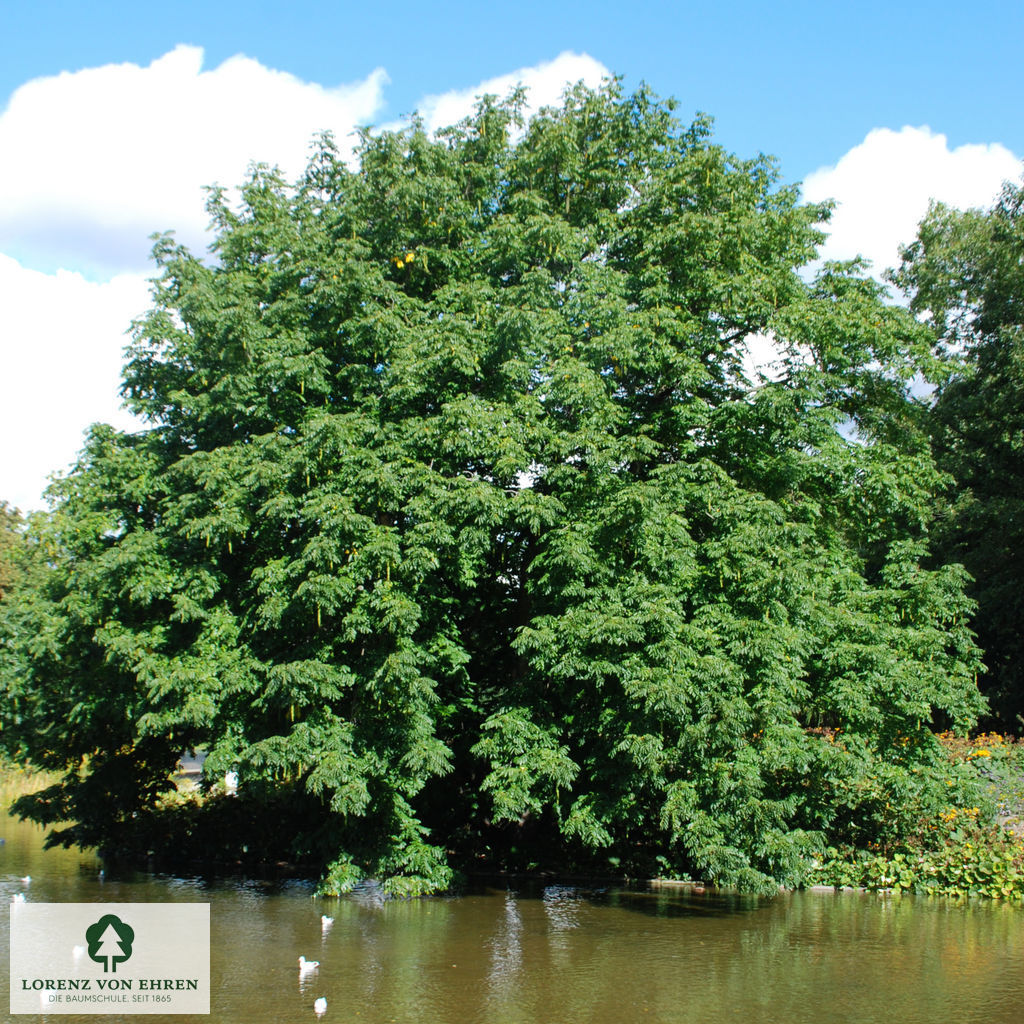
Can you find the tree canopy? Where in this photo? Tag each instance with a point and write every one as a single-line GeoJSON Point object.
{"type": "Point", "coordinates": [965, 276]}
{"type": "Point", "coordinates": [462, 525]}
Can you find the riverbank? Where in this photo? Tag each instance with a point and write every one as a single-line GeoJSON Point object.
{"type": "Point", "coordinates": [973, 845]}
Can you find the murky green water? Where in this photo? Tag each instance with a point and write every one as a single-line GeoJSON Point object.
{"type": "Point", "coordinates": [563, 955]}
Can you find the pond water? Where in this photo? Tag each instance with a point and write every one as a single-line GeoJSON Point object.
{"type": "Point", "coordinates": [557, 954]}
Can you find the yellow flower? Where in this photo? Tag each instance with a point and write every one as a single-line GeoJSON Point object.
{"type": "Point", "coordinates": [409, 257]}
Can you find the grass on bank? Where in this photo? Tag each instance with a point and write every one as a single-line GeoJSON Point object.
{"type": "Point", "coordinates": [20, 780]}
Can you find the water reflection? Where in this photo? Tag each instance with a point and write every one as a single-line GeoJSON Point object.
{"type": "Point", "coordinates": [505, 950]}
{"type": "Point", "coordinates": [557, 953]}
{"type": "Point", "coordinates": [563, 908]}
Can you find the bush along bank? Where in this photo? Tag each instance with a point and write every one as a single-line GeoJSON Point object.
{"type": "Point", "coordinates": [972, 846]}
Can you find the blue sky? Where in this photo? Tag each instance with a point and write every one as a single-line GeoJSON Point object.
{"type": "Point", "coordinates": [802, 80]}
{"type": "Point", "coordinates": [114, 114]}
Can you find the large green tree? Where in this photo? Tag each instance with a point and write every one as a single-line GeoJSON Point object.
{"type": "Point", "coordinates": [965, 276]}
{"type": "Point", "coordinates": [460, 523]}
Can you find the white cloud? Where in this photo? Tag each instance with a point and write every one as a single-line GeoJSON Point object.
{"type": "Point", "coordinates": [63, 338]}
{"type": "Point", "coordinates": [94, 162]}
{"type": "Point", "coordinates": [883, 185]}
{"type": "Point", "coordinates": [544, 83]}
{"type": "Point", "coordinates": [762, 357]}
{"type": "Point", "coordinates": [97, 160]}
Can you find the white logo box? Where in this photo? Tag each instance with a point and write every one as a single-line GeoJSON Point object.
{"type": "Point", "coordinates": [111, 958]}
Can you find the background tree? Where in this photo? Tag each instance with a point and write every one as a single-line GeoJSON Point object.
{"type": "Point", "coordinates": [11, 529]}
{"type": "Point", "coordinates": [965, 276]}
{"type": "Point", "coordinates": [20, 572]}
{"type": "Point", "coordinates": [461, 535]}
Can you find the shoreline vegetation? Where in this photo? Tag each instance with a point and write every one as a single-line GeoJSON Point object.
{"type": "Point", "coordinates": [972, 847]}
{"type": "Point", "coordinates": [967, 850]}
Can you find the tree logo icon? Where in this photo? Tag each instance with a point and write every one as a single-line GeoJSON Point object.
{"type": "Point", "coordinates": [110, 942]}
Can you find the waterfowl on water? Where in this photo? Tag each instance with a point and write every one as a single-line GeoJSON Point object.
{"type": "Point", "coordinates": [320, 1006]}
{"type": "Point", "coordinates": [305, 966]}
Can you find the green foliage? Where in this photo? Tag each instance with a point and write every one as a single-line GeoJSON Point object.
{"type": "Point", "coordinates": [460, 524]}
{"type": "Point", "coordinates": [23, 569]}
{"type": "Point", "coordinates": [11, 529]}
{"type": "Point", "coordinates": [964, 275]}
{"type": "Point", "coordinates": [973, 862]}
{"type": "Point", "coordinates": [956, 849]}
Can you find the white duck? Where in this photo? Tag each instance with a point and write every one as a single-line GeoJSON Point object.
{"type": "Point", "coordinates": [320, 1006]}
{"type": "Point", "coordinates": [305, 966]}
